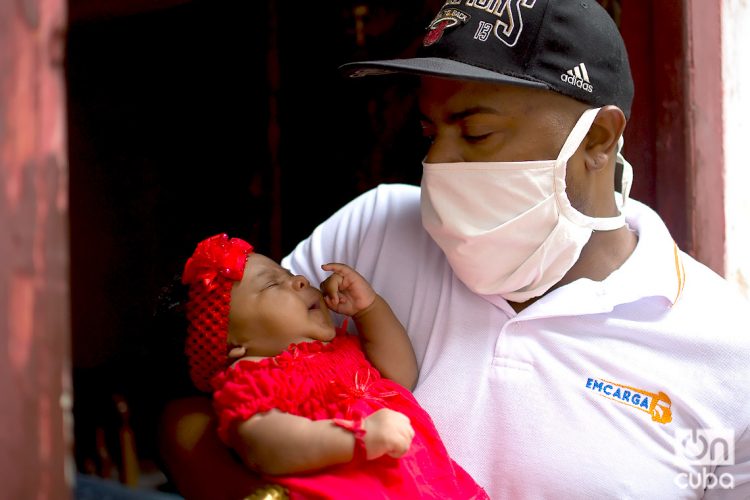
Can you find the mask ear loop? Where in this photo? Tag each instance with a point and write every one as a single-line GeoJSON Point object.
{"type": "Point", "coordinates": [627, 172]}
{"type": "Point", "coordinates": [572, 143]}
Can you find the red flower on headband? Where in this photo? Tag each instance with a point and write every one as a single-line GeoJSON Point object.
{"type": "Point", "coordinates": [214, 256]}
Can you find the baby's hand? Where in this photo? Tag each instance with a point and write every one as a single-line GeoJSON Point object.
{"type": "Point", "coordinates": [387, 432]}
{"type": "Point", "coordinates": [346, 291]}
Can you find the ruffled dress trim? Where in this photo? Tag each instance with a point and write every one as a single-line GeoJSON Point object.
{"type": "Point", "coordinates": [316, 380]}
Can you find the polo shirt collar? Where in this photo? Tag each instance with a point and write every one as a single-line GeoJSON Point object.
{"type": "Point", "coordinates": [654, 269]}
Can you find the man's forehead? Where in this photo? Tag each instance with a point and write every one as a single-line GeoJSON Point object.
{"type": "Point", "coordinates": [455, 96]}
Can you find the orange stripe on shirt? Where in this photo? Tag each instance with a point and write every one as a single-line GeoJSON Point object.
{"type": "Point", "coordinates": [680, 273]}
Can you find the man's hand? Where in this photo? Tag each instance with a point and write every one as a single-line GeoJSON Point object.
{"type": "Point", "coordinates": [346, 291]}
{"type": "Point", "coordinates": [387, 432]}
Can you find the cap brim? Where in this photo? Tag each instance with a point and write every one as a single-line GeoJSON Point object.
{"type": "Point", "coordinates": [433, 66]}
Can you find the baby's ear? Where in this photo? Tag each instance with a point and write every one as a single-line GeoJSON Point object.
{"type": "Point", "coordinates": [237, 352]}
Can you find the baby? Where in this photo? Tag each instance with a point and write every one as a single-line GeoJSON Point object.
{"type": "Point", "coordinates": [297, 397]}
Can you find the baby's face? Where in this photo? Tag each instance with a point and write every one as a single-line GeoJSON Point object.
{"type": "Point", "coordinates": [271, 308]}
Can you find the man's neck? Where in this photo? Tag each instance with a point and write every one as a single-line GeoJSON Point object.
{"type": "Point", "coordinates": [604, 253]}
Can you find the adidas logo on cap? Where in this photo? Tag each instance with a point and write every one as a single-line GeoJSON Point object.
{"type": "Point", "coordinates": [578, 77]}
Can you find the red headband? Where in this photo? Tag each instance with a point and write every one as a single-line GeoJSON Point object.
{"type": "Point", "coordinates": [211, 271]}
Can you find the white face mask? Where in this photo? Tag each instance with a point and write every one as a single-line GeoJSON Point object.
{"type": "Point", "coordinates": [508, 228]}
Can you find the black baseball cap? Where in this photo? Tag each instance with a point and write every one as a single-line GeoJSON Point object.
{"type": "Point", "coordinates": [569, 46]}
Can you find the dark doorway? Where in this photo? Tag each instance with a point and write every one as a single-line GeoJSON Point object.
{"type": "Point", "coordinates": [198, 118]}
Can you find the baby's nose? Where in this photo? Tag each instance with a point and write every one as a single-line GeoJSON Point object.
{"type": "Point", "coordinates": [300, 282]}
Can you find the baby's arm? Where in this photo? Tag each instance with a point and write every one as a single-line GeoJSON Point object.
{"type": "Point", "coordinates": [280, 443]}
{"type": "Point", "coordinates": [384, 338]}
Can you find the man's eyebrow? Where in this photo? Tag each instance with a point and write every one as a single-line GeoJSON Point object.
{"type": "Point", "coordinates": [460, 115]}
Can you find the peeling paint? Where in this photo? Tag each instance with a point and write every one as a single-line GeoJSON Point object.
{"type": "Point", "coordinates": [45, 444]}
{"type": "Point", "coordinates": [20, 321]}
{"type": "Point", "coordinates": [41, 218]}
{"type": "Point", "coordinates": [29, 10]}
{"type": "Point", "coordinates": [20, 120]}
{"type": "Point", "coordinates": [61, 191]}
{"type": "Point", "coordinates": [45, 428]}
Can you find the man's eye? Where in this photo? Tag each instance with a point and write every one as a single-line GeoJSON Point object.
{"type": "Point", "coordinates": [270, 284]}
{"type": "Point", "coordinates": [473, 139]}
{"type": "Point", "coordinates": [428, 132]}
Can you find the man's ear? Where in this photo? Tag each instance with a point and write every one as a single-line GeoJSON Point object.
{"type": "Point", "coordinates": [237, 352]}
{"type": "Point", "coordinates": [601, 141]}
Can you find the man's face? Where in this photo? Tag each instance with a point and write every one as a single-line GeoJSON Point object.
{"type": "Point", "coordinates": [475, 121]}
{"type": "Point", "coordinates": [481, 122]}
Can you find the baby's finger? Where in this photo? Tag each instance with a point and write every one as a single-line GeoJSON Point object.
{"type": "Point", "coordinates": [335, 266]}
{"type": "Point", "coordinates": [331, 297]}
{"type": "Point", "coordinates": [331, 300]}
{"type": "Point", "coordinates": [331, 285]}
{"type": "Point", "coordinates": [341, 269]}
{"type": "Point", "coordinates": [399, 448]}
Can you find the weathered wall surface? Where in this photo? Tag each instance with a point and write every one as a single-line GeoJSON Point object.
{"type": "Point", "coordinates": [34, 283]}
{"type": "Point", "coordinates": [736, 77]}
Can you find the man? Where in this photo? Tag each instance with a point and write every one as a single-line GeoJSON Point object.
{"type": "Point", "coordinates": [565, 351]}
{"type": "Point", "coordinates": [567, 348]}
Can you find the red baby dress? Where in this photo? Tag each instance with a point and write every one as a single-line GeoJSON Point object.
{"type": "Point", "coordinates": [334, 380]}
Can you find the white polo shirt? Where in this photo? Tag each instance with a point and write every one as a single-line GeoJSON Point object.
{"type": "Point", "coordinates": [582, 394]}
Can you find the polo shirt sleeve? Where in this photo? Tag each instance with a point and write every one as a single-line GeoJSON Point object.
{"type": "Point", "coordinates": [738, 473]}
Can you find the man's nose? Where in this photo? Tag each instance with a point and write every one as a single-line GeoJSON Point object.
{"type": "Point", "coordinates": [300, 282]}
{"type": "Point", "coordinates": [443, 150]}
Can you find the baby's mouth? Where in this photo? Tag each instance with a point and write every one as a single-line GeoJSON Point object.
{"type": "Point", "coordinates": [315, 305]}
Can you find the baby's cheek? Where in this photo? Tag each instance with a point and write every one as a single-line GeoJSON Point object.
{"type": "Point", "coordinates": [329, 317]}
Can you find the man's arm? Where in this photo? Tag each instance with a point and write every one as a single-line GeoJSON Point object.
{"type": "Point", "coordinates": [733, 480]}
{"type": "Point", "coordinates": [198, 463]}
{"type": "Point", "coordinates": [203, 468]}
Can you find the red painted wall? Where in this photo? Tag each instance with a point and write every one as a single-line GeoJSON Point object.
{"type": "Point", "coordinates": [674, 137]}
{"type": "Point", "coordinates": [34, 312]}
{"type": "Point", "coordinates": [656, 135]}
{"type": "Point", "coordinates": [705, 119]}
